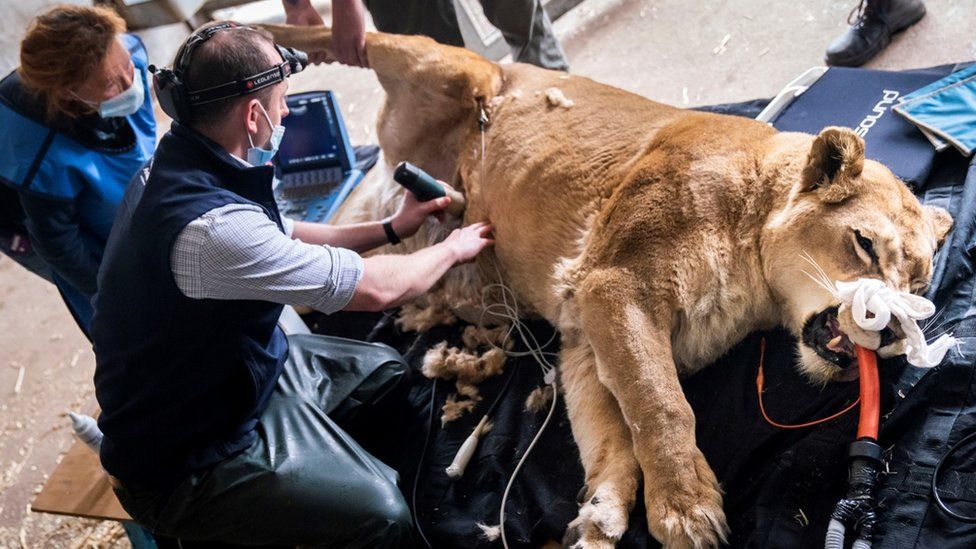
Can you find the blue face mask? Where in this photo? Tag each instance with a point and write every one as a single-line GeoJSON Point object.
{"type": "Point", "coordinates": [257, 156]}
{"type": "Point", "coordinates": [127, 102]}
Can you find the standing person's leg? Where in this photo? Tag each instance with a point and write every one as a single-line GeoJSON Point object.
{"type": "Point", "coordinates": [434, 18]}
{"type": "Point", "coordinates": [303, 482]}
{"type": "Point", "coordinates": [528, 31]}
{"type": "Point", "coordinates": [872, 24]}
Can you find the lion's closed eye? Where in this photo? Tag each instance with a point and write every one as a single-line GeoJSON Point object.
{"type": "Point", "coordinates": [919, 287]}
{"type": "Point", "coordinates": [864, 247]}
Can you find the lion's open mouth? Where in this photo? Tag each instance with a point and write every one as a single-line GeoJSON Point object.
{"type": "Point", "coordinates": [822, 334]}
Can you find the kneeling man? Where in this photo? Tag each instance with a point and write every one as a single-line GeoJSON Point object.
{"type": "Point", "coordinates": [213, 430]}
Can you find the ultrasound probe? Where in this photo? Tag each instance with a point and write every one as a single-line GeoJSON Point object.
{"type": "Point", "coordinates": [426, 188]}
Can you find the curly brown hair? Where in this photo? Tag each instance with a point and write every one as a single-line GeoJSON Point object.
{"type": "Point", "coordinates": [62, 48]}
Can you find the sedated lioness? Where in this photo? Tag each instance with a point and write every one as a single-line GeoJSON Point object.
{"type": "Point", "coordinates": [654, 238]}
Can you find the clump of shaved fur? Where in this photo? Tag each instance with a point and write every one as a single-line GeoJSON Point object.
{"type": "Point", "coordinates": [416, 318]}
{"type": "Point", "coordinates": [490, 533]}
{"type": "Point", "coordinates": [478, 337]}
{"type": "Point", "coordinates": [466, 369]}
{"type": "Point", "coordinates": [539, 399]}
{"type": "Point", "coordinates": [454, 408]}
{"type": "Point", "coordinates": [556, 98]}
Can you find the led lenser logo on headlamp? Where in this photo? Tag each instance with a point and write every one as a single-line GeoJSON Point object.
{"type": "Point", "coordinates": [261, 80]}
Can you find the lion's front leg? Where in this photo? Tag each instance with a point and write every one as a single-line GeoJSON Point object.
{"type": "Point", "coordinates": [634, 360]}
{"type": "Point", "coordinates": [612, 473]}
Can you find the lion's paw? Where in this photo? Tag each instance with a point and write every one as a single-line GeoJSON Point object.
{"type": "Point", "coordinates": [602, 520]}
{"type": "Point", "coordinates": [688, 515]}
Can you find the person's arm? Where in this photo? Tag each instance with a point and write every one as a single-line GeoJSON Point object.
{"type": "Point", "coordinates": [237, 252]}
{"type": "Point", "coordinates": [348, 28]}
{"type": "Point", "coordinates": [363, 237]}
{"type": "Point", "coordinates": [391, 280]}
{"type": "Point", "coordinates": [360, 237]}
{"type": "Point", "coordinates": [56, 237]}
{"type": "Point", "coordinates": [301, 12]}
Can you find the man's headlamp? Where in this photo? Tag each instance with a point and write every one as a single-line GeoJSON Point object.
{"type": "Point", "coordinates": [293, 61]}
{"type": "Point", "coordinates": [176, 99]}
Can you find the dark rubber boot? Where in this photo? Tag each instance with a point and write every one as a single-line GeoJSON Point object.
{"type": "Point", "coordinates": [874, 23]}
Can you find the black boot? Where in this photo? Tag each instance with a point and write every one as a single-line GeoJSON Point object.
{"type": "Point", "coordinates": [874, 21]}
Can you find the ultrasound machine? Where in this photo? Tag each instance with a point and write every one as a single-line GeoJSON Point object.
{"type": "Point", "coordinates": [316, 165]}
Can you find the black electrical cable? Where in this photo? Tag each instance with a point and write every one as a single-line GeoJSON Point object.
{"type": "Point", "coordinates": [968, 519]}
{"type": "Point", "coordinates": [511, 374]}
{"type": "Point", "coordinates": [420, 464]}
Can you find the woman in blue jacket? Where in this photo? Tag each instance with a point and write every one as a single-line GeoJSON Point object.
{"type": "Point", "coordinates": [76, 124]}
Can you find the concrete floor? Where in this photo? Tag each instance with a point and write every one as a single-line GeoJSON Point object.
{"type": "Point", "coordinates": [675, 51]}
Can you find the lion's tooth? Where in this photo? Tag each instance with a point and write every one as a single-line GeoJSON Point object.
{"type": "Point", "coordinates": [835, 344]}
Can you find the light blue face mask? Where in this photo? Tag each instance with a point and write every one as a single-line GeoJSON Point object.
{"type": "Point", "coordinates": [257, 156]}
{"type": "Point", "coordinates": [127, 102]}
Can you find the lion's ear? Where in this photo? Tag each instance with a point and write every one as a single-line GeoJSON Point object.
{"type": "Point", "coordinates": [836, 159]}
{"type": "Point", "coordinates": [939, 220]}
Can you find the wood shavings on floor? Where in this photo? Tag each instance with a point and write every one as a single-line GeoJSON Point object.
{"type": "Point", "coordinates": [42, 530]}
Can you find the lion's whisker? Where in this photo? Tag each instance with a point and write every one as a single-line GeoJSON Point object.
{"type": "Point", "coordinates": [934, 328]}
{"type": "Point", "coordinates": [930, 339]}
{"type": "Point", "coordinates": [958, 346]}
{"type": "Point", "coordinates": [809, 258]}
{"type": "Point", "coordinates": [929, 322]}
{"type": "Point", "coordinates": [820, 283]}
{"type": "Point", "coordinates": [823, 275]}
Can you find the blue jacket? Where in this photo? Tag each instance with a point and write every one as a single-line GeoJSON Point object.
{"type": "Point", "coordinates": [181, 382]}
{"type": "Point", "coordinates": [71, 173]}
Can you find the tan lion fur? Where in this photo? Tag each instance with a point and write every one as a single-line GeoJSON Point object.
{"type": "Point", "coordinates": [467, 369]}
{"type": "Point", "coordinates": [539, 399]}
{"type": "Point", "coordinates": [654, 238]}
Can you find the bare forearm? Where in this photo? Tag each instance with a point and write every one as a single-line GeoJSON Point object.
{"type": "Point", "coordinates": [360, 237]}
{"type": "Point", "coordinates": [391, 280]}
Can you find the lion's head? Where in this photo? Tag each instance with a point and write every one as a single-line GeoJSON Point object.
{"type": "Point", "coordinates": [845, 218]}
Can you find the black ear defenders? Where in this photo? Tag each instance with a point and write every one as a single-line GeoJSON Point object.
{"type": "Point", "coordinates": [176, 99]}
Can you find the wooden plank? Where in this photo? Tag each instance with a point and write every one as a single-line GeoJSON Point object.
{"type": "Point", "coordinates": [79, 487]}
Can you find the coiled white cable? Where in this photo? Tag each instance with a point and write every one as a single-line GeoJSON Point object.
{"type": "Point", "coordinates": [508, 309]}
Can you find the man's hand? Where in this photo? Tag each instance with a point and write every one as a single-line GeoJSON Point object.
{"type": "Point", "coordinates": [412, 213]}
{"type": "Point", "coordinates": [301, 13]}
{"type": "Point", "coordinates": [392, 280]}
{"type": "Point", "coordinates": [348, 29]}
{"type": "Point", "coordinates": [467, 242]}
{"type": "Point", "coordinates": [349, 32]}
